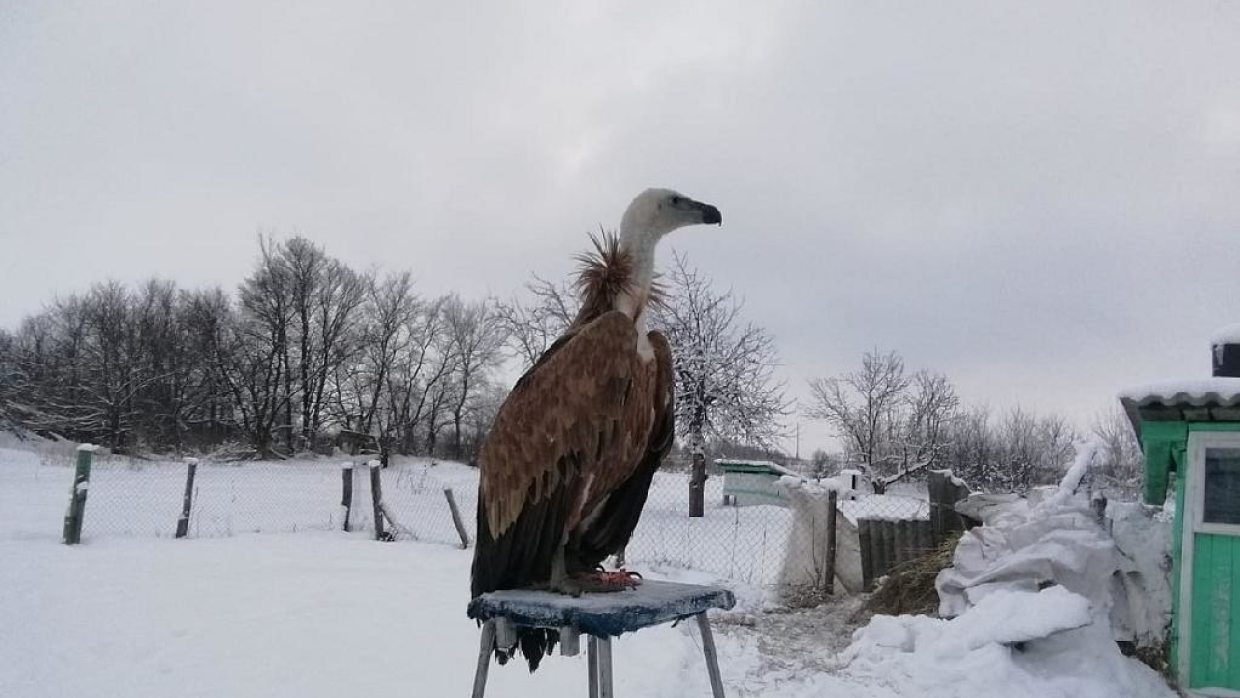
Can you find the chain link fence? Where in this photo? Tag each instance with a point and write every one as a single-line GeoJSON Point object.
{"type": "Point", "coordinates": [146, 498]}
{"type": "Point", "coordinates": [749, 540]}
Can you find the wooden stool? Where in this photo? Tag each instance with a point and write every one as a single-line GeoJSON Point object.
{"type": "Point", "coordinates": [600, 617]}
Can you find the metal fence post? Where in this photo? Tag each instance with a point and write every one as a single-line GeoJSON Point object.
{"type": "Point", "coordinates": [188, 500]}
{"type": "Point", "coordinates": [376, 494]}
{"type": "Point", "coordinates": [346, 496]}
{"type": "Point", "coordinates": [456, 517]}
{"type": "Point", "coordinates": [77, 495]}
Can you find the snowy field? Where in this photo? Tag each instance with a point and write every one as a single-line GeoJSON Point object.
{"type": "Point", "coordinates": [326, 613]}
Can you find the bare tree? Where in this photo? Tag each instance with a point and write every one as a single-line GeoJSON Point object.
{"type": "Point", "coordinates": [325, 295]}
{"type": "Point", "coordinates": [1033, 450]}
{"type": "Point", "coordinates": [893, 423]}
{"type": "Point", "coordinates": [860, 405]}
{"type": "Point", "coordinates": [418, 367]}
{"type": "Point", "coordinates": [253, 352]}
{"type": "Point", "coordinates": [972, 450]}
{"type": "Point", "coordinates": [10, 380]}
{"type": "Point", "coordinates": [383, 336]}
{"type": "Point", "coordinates": [209, 320]}
{"type": "Point", "coordinates": [922, 428]}
{"type": "Point", "coordinates": [532, 324]}
{"type": "Point", "coordinates": [1122, 464]}
{"type": "Point", "coordinates": [724, 370]}
{"type": "Point", "coordinates": [475, 337]}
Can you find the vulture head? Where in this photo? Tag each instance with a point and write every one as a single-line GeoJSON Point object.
{"type": "Point", "coordinates": [657, 212]}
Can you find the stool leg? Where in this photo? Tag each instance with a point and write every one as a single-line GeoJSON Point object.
{"type": "Point", "coordinates": [712, 656]}
{"type": "Point", "coordinates": [484, 659]}
{"type": "Point", "coordinates": [604, 668]}
{"type": "Point", "coordinates": [592, 663]}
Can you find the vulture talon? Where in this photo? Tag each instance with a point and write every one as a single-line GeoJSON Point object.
{"type": "Point", "coordinates": [606, 582]}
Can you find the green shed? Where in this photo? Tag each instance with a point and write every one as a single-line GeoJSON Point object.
{"type": "Point", "coordinates": [749, 482]}
{"type": "Point", "coordinates": [1190, 431]}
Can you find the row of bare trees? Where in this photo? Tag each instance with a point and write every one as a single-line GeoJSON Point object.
{"type": "Point", "coordinates": [895, 423]}
{"type": "Point", "coordinates": [307, 351]}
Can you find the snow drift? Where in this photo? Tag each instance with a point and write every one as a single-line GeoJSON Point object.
{"type": "Point", "coordinates": [1016, 644]}
{"type": "Point", "coordinates": [1119, 564]}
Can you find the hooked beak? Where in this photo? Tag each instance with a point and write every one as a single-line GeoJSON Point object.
{"type": "Point", "coordinates": [710, 214]}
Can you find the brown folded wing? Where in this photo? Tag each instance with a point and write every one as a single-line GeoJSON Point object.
{"type": "Point", "coordinates": [576, 423]}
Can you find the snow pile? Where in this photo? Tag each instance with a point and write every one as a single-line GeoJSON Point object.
{"type": "Point", "coordinates": [1059, 541]}
{"type": "Point", "coordinates": [1142, 536]}
{"type": "Point", "coordinates": [1012, 643]}
{"type": "Point", "coordinates": [998, 509]}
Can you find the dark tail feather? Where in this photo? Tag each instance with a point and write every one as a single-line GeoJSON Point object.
{"type": "Point", "coordinates": [534, 643]}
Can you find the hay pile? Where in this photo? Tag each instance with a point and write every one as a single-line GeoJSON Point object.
{"type": "Point", "coordinates": [909, 589]}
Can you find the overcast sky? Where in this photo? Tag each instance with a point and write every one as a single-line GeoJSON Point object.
{"type": "Point", "coordinates": [1041, 200]}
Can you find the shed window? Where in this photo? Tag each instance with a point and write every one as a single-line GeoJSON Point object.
{"type": "Point", "coordinates": [1222, 486]}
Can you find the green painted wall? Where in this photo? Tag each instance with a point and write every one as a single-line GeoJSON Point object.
{"type": "Point", "coordinates": [1215, 657]}
{"type": "Point", "coordinates": [1177, 551]}
{"type": "Point", "coordinates": [1216, 602]}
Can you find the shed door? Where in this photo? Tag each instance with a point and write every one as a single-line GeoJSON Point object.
{"type": "Point", "coordinates": [1210, 587]}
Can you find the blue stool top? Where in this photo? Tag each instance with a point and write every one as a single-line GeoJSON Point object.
{"type": "Point", "coordinates": [602, 615]}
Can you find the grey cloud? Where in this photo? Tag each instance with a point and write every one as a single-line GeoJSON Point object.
{"type": "Point", "coordinates": [1038, 199]}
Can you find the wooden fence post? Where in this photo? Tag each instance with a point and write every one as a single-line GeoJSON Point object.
{"type": "Point", "coordinates": [188, 500]}
{"type": "Point", "coordinates": [77, 495]}
{"type": "Point", "coordinates": [376, 493]}
{"type": "Point", "coordinates": [832, 508]}
{"type": "Point", "coordinates": [456, 517]}
{"type": "Point", "coordinates": [346, 496]}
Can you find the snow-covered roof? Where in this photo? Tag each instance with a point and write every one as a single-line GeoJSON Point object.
{"type": "Point", "coordinates": [1221, 391]}
{"type": "Point", "coordinates": [1201, 399]}
{"type": "Point", "coordinates": [771, 465]}
{"type": "Point", "coordinates": [1226, 335]}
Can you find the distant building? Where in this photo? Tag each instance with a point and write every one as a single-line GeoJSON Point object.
{"type": "Point", "coordinates": [750, 482]}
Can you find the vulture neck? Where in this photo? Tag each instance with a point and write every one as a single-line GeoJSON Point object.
{"type": "Point", "coordinates": [639, 244]}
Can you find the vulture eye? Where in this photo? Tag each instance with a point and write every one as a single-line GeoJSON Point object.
{"type": "Point", "coordinates": [675, 200]}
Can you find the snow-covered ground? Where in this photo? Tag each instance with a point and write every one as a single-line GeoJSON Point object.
{"type": "Point", "coordinates": [144, 498]}
{"type": "Point", "coordinates": [327, 613]}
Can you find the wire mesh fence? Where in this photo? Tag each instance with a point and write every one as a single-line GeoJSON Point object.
{"type": "Point", "coordinates": [745, 543]}
{"type": "Point", "coordinates": [145, 498]}
{"type": "Point", "coordinates": [133, 498]}
{"type": "Point", "coordinates": [751, 541]}
{"type": "Point", "coordinates": [419, 499]}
